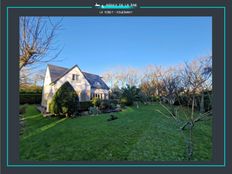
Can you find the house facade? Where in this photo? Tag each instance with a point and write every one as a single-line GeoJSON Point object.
{"type": "Point", "coordinates": [85, 84]}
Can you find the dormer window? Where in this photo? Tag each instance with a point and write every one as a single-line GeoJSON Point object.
{"type": "Point", "coordinates": [75, 77]}
{"type": "Point", "coordinates": [97, 84]}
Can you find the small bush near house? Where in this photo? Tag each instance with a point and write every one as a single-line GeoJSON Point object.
{"type": "Point", "coordinates": [94, 110]}
{"type": "Point", "coordinates": [65, 101]}
{"type": "Point", "coordinates": [114, 101]}
{"type": "Point", "coordinates": [104, 105]}
{"type": "Point", "coordinates": [96, 102]}
{"type": "Point", "coordinates": [112, 106]}
{"type": "Point", "coordinates": [84, 106]}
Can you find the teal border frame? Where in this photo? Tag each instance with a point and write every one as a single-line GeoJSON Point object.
{"type": "Point", "coordinates": [109, 165]}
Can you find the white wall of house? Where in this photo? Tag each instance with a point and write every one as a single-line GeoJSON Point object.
{"type": "Point", "coordinates": [81, 85]}
{"type": "Point", "coordinates": [47, 89]}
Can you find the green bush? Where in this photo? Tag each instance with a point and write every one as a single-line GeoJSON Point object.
{"type": "Point", "coordinates": [155, 98]}
{"type": "Point", "coordinates": [113, 106]}
{"type": "Point", "coordinates": [104, 105]}
{"type": "Point", "coordinates": [96, 102]}
{"type": "Point", "coordinates": [112, 117]}
{"type": "Point", "coordinates": [114, 101]}
{"type": "Point", "coordinates": [94, 110]}
{"type": "Point", "coordinates": [84, 106]}
{"type": "Point", "coordinates": [115, 93]}
{"type": "Point", "coordinates": [126, 102]}
{"type": "Point", "coordinates": [129, 95]}
{"type": "Point", "coordinates": [65, 101]}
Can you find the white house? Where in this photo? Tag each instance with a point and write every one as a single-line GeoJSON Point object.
{"type": "Point", "coordinates": [85, 84]}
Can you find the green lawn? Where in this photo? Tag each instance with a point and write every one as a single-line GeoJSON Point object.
{"type": "Point", "coordinates": [137, 135]}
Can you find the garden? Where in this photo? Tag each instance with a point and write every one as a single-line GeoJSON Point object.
{"type": "Point", "coordinates": [139, 134]}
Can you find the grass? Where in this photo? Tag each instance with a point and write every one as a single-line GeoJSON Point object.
{"type": "Point", "coordinates": [137, 135]}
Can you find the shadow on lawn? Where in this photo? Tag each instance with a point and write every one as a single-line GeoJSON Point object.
{"type": "Point", "coordinates": [31, 117]}
{"type": "Point", "coordinates": [44, 128]}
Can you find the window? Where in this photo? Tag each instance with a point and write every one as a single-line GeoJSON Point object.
{"type": "Point", "coordinates": [97, 84]}
{"type": "Point", "coordinates": [75, 77]}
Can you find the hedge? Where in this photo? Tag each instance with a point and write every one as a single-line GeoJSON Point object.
{"type": "Point", "coordinates": [30, 98]}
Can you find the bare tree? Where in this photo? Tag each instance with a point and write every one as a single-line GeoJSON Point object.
{"type": "Point", "coordinates": [109, 78]}
{"type": "Point", "coordinates": [171, 87]}
{"type": "Point", "coordinates": [151, 81]}
{"type": "Point", "coordinates": [28, 77]}
{"type": "Point", "coordinates": [38, 77]}
{"type": "Point", "coordinates": [37, 36]}
{"type": "Point", "coordinates": [121, 76]}
{"type": "Point", "coordinates": [24, 77]}
{"type": "Point", "coordinates": [194, 80]}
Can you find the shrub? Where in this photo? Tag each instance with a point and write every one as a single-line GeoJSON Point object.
{"type": "Point", "coordinates": [84, 106]}
{"type": "Point", "coordinates": [126, 102]}
{"type": "Point", "coordinates": [129, 95]}
{"type": "Point", "coordinates": [112, 117]}
{"type": "Point", "coordinates": [53, 107]}
{"type": "Point", "coordinates": [65, 101]}
{"type": "Point", "coordinates": [96, 102]}
{"type": "Point", "coordinates": [104, 105]}
{"type": "Point", "coordinates": [112, 106]}
{"type": "Point", "coordinates": [155, 98]}
{"type": "Point", "coordinates": [115, 93]}
{"type": "Point", "coordinates": [94, 110]}
{"type": "Point", "coordinates": [114, 101]}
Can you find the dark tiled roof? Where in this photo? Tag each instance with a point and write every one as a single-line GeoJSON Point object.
{"type": "Point", "coordinates": [56, 72]}
{"type": "Point", "coordinates": [95, 81]}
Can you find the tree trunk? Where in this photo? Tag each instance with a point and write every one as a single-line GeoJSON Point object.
{"type": "Point", "coordinates": [193, 105]}
{"type": "Point", "coordinates": [190, 144]}
{"type": "Point", "coordinates": [202, 106]}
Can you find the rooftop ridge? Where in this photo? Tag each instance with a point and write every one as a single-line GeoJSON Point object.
{"type": "Point", "coordinates": [56, 72]}
{"type": "Point", "coordinates": [57, 66]}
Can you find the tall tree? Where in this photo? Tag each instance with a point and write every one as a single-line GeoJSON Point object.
{"type": "Point", "coordinates": [37, 38]}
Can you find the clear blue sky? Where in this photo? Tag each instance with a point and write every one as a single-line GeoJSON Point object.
{"type": "Point", "coordinates": [98, 43]}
